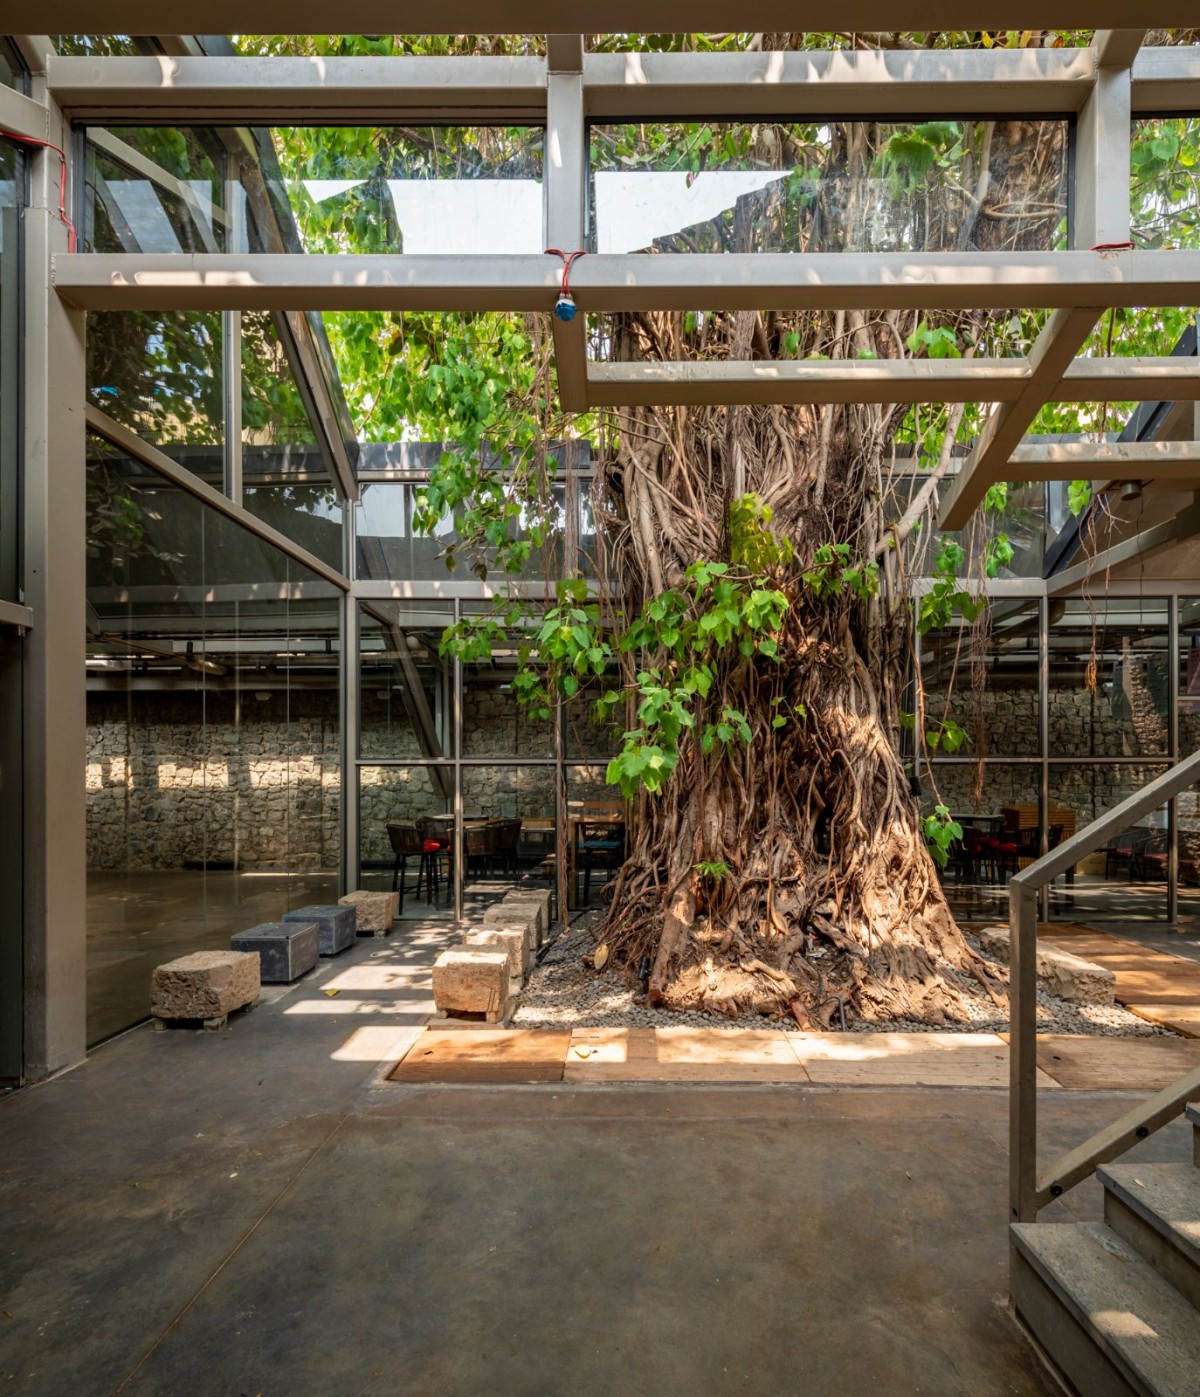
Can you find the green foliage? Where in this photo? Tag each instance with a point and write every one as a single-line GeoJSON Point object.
{"type": "Point", "coordinates": [833, 572]}
{"type": "Point", "coordinates": [716, 869]}
{"type": "Point", "coordinates": [940, 833]}
{"type": "Point", "coordinates": [1079, 495]}
{"type": "Point", "coordinates": [945, 598]}
{"type": "Point", "coordinates": [939, 342]}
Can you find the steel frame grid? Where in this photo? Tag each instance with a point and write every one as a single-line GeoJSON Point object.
{"type": "Point", "coordinates": [1099, 88]}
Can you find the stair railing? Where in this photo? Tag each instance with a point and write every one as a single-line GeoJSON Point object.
{"type": "Point", "coordinates": [1029, 1189]}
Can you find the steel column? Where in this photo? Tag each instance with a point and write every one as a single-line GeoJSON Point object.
{"type": "Point", "coordinates": [565, 173]}
{"type": "Point", "coordinates": [54, 567]}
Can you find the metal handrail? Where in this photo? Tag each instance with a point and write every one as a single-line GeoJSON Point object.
{"type": "Point", "coordinates": [1030, 1191]}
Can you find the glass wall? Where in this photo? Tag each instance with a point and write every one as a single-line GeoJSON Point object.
{"type": "Point", "coordinates": [11, 719]}
{"type": "Point", "coordinates": [1058, 711]}
{"type": "Point", "coordinates": [213, 769]}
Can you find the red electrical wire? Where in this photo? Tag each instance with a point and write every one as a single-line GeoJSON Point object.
{"type": "Point", "coordinates": [567, 259]}
{"type": "Point", "coordinates": [1111, 247]}
{"type": "Point", "coordinates": [62, 178]}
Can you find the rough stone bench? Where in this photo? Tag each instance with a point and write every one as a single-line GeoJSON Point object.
{"type": "Point", "coordinates": [375, 911]}
{"type": "Point", "coordinates": [1058, 971]}
{"type": "Point", "coordinates": [335, 925]}
{"type": "Point", "coordinates": [205, 987]}
{"type": "Point", "coordinates": [513, 942]}
{"type": "Point", "coordinates": [285, 950]}
{"type": "Point", "coordinates": [474, 982]}
{"type": "Point", "coordinates": [543, 897]}
{"type": "Point", "coordinates": [509, 914]}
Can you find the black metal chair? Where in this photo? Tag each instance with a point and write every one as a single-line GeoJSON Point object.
{"type": "Point", "coordinates": [601, 845]}
{"type": "Point", "coordinates": [407, 843]}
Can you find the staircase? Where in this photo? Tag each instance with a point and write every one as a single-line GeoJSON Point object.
{"type": "Point", "coordinates": [1115, 1305]}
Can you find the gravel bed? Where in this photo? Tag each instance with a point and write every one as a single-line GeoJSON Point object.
{"type": "Point", "coordinates": [562, 992]}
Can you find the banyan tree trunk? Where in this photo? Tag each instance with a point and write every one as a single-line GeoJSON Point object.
{"type": "Point", "coordinates": [831, 904]}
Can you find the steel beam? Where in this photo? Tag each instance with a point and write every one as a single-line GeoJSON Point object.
{"type": "Point", "coordinates": [1101, 208]}
{"type": "Point", "coordinates": [1056, 346]}
{"type": "Point", "coordinates": [22, 116]}
{"type": "Point", "coordinates": [1166, 80]}
{"type": "Point", "coordinates": [1165, 379]}
{"type": "Point", "coordinates": [750, 281]}
{"type": "Point", "coordinates": [862, 83]}
{"type": "Point", "coordinates": [1117, 48]}
{"type": "Point", "coordinates": [1168, 463]}
{"type": "Point", "coordinates": [587, 17]}
{"type": "Point", "coordinates": [54, 693]}
{"type": "Point", "coordinates": [566, 167]}
{"type": "Point", "coordinates": [127, 441]}
{"type": "Point", "coordinates": [289, 90]}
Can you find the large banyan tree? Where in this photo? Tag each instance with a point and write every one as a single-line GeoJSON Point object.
{"type": "Point", "coordinates": [751, 634]}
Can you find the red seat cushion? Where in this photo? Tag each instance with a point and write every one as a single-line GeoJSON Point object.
{"type": "Point", "coordinates": [430, 846]}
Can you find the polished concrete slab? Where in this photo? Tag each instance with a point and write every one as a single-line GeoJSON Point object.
{"type": "Point", "coordinates": [258, 1210]}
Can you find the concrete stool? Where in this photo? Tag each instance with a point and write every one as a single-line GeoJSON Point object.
{"type": "Point", "coordinates": [375, 911]}
{"type": "Point", "coordinates": [205, 986]}
{"type": "Point", "coordinates": [285, 950]}
{"type": "Point", "coordinates": [469, 981]}
{"type": "Point", "coordinates": [335, 925]}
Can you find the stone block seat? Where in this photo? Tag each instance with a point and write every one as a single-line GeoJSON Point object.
{"type": "Point", "coordinates": [204, 987]}
{"type": "Point", "coordinates": [473, 982]}
{"type": "Point", "coordinates": [335, 925]}
{"type": "Point", "coordinates": [285, 950]}
{"type": "Point", "coordinates": [516, 943]}
{"type": "Point", "coordinates": [375, 911]}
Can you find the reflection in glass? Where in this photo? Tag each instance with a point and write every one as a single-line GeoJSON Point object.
{"type": "Point", "coordinates": [508, 832]}
{"type": "Point", "coordinates": [1165, 186]}
{"type": "Point", "coordinates": [213, 773]}
{"type": "Point", "coordinates": [405, 686]}
{"type": "Point", "coordinates": [1109, 684]}
{"type": "Point", "coordinates": [406, 835]}
{"type": "Point", "coordinates": [829, 186]}
{"type": "Point", "coordinates": [1127, 880]}
{"type": "Point", "coordinates": [1001, 718]}
{"type": "Point", "coordinates": [11, 175]}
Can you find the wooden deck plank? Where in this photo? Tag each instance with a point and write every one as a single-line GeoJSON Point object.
{"type": "Point", "coordinates": [1143, 975]}
{"type": "Point", "coordinates": [681, 1055]}
{"type": "Point", "coordinates": [485, 1055]}
{"type": "Point", "coordinates": [905, 1059]}
{"type": "Point", "coordinates": [1084, 1063]}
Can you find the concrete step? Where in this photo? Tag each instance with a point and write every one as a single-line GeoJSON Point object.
{"type": "Point", "coordinates": [1104, 1316]}
{"type": "Point", "coordinates": [1193, 1114]}
{"type": "Point", "coordinates": [1156, 1208]}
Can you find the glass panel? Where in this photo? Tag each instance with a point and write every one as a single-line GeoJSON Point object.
{"type": "Point", "coordinates": [426, 190]}
{"type": "Point", "coordinates": [595, 834]}
{"type": "Point", "coordinates": [587, 736]}
{"type": "Point", "coordinates": [1165, 190]}
{"type": "Point", "coordinates": [406, 688]}
{"type": "Point", "coordinates": [1127, 881]}
{"type": "Point", "coordinates": [118, 45]}
{"type": "Point", "coordinates": [213, 771]}
{"type": "Point", "coordinates": [433, 189]}
{"type": "Point", "coordinates": [1108, 679]}
{"type": "Point", "coordinates": [494, 723]}
{"type": "Point", "coordinates": [155, 189]}
{"type": "Point", "coordinates": [418, 804]}
{"type": "Point", "coordinates": [11, 176]}
{"type": "Point", "coordinates": [12, 71]}
{"type": "Point", "coordinates": [390, 548]}
{"type": "Point", "coordinates": [1001, 718]}
{"type": "Point", "coordinates": [508, 832]}
{"type": "Point", "coordinates": [160, 374]}
{"type": "Point", "coordinates": [829, 186]}
{"type": "Point", "coordinates": [997, 806]}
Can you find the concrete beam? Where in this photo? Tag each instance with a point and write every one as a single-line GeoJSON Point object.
{"type": "Point", "coordinates": [588, 17]}
{"type": "Point", "coordinates": [1166, 80]}
{"type": "Point", "coordinates": [1056, 346]}
{"type": "Point", "coordinates": [566, 165]}
{"type": "Point", "coordinates": [822, 281]}
{"type": "Point", "coordinates": [1164, 379]}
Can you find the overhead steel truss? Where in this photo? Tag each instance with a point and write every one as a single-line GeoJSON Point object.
{"type": "Point", "coordinates": [1101, 88]}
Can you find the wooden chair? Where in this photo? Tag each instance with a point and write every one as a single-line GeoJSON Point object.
{"type": "Point", "coordinates": [407, 842]}
{"type": "Point", "coordinates": [601, 845]}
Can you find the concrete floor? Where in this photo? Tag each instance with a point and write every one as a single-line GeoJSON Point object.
{"type": "Point", "coordinates": [256, 1211]}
